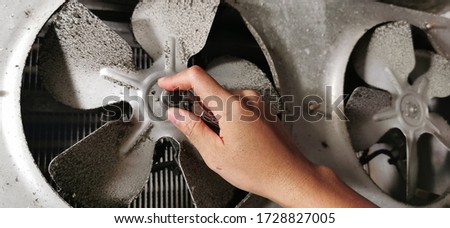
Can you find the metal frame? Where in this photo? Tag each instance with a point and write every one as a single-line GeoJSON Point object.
{"type": "Point", "coordinates": [21, 182]}
{"type": "Point", "coordinates": [310, 43]}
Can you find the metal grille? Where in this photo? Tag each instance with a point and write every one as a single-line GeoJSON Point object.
{"type": "Point", "coordinates": [167, 186]}
{"type": "Point", "coordinates": [51, 128]}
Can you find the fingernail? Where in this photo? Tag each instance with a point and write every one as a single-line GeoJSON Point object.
{"type": "Point", "coordinates": [161, 80]}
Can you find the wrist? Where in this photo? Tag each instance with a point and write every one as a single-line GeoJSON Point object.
{"type": "Point", "coordinates": [291, 182]}
{"type": "Point", "coordinates": [310, 185]}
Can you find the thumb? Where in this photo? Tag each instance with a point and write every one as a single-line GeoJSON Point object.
{"type": "Point", "coordinates": [200, 135]}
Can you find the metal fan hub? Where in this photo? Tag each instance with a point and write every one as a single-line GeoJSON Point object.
{"type": "Point", "coordinates": [155, 102]}
{"type": "Point", "coordinates": [409, 112]}
{"type": "Point", "coordinates": [141, 90]}
{"type": "Point", "coordinates": [413, 109]}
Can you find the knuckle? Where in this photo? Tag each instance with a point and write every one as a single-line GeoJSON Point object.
{"type": "Point", "coordinates": [251, 97]}
{"type": "Point", "coordinates": [252, 93]}
{"type": "Point", "coordinates": [195, 71]}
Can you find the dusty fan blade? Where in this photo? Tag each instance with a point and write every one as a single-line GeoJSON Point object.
{"type": "Point", "coordinates": [361, 108]}
{"type": "Point", "coordinates": [78, 45]}
{"type": "Point", "coordinates": [443, 129]}
{"type": "Point", "coordinates": [438, 74]}
{"type": "Point", "coordinates": [239, 74]}
{"type": "Point", "coordinates": [96, 174]}
{"type": "Point", "coordinates": [208, 189]}
{"type": "Point", "coordinates": [390, 55]}
{"type": "Point", "coordinates": [164, 27]}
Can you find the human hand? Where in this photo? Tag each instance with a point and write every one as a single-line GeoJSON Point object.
{"type": "Point", "coordinates": [253, 151]}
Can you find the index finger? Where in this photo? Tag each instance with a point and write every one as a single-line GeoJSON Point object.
{"type": "Point", "coordinates": [198, 80]}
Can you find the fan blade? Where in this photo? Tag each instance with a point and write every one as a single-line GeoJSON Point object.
{"type": "Point", "coordinates": [389, 58]}
{"type": "Point", "coordinates": [363, 105]}
{"type": "Point", "coordinates": [177, 29]}
{"type": "Point", "coordinates": [442, 132]}
{"type": "Point", "coordinates": [438, 75]}
{"type": "Point", "coordinates": [78, 45]}
{"type": "Point", "coordinates": [239, 74]}
{"type": "Point", "coordinates": [412, 167]}
{"type": "Point", "coordinates": [96, 174]}
{"type": "Point", "coordinates": [208, 189]}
